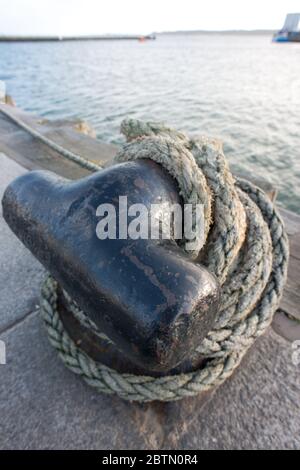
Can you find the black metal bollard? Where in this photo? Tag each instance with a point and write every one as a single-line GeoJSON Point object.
{"type": "Point", "coordinates": [146, 295]}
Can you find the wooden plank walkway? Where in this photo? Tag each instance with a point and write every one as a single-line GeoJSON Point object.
{"type": "Point", "coordinates": [33, 154]}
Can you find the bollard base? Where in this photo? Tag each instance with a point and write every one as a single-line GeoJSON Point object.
{"type": "Point", "coordinates": [102, 350]}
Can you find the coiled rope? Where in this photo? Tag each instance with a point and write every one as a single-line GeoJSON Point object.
{"type": "Point", "coordinates": [245, 246]}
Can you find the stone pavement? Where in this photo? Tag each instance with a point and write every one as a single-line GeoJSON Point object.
{"type": "Point", "coordinates": [44, 406]}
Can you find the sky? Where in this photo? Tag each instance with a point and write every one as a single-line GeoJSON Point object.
{"type": "Point", "coordinates": [78, 17]}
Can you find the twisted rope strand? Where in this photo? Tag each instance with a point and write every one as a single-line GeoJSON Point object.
{"type": "Point", "coordinates": [228, 234]}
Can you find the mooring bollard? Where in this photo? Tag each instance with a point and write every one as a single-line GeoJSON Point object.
{"type": "Point", "coordinates": [154, 303]}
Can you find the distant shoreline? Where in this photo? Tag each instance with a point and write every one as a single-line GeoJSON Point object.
{"type": "Point", "coordinates": [225, 31]}
{"type": "Point", "coordinates": [75, 38]}
{"type": "Point", "coordinates": [136, 37]}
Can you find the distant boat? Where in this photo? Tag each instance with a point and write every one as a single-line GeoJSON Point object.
{"type": "Point", "coordinates": [291, 29]}
{"type": "Point", "coordinates": [148, 37]}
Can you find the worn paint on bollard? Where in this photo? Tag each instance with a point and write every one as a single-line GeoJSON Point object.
{"type": "Point", "coordinates": [146, 295]}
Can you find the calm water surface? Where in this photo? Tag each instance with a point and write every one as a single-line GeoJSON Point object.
{"type": "Point", "coordinates": [240, 88]}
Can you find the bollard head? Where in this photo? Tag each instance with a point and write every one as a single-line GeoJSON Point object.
{"type": "Point", "coordinates": [146, 295]}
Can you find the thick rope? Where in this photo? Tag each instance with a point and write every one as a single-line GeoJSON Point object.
{"type": "Point", "coordinates": [245, 246]}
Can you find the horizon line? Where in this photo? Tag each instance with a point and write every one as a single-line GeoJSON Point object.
{"type": "Point", "coordinates": [134, 35]}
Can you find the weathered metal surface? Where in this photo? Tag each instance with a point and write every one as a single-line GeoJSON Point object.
{"type": "Point", "coordinates": [105, 352]}
{"type": "Point", "coordinates": [146, 295]}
